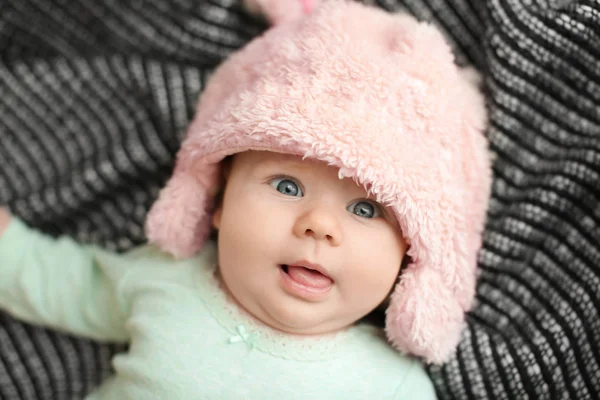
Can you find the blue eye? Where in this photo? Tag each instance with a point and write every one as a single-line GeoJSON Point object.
{"type": "Point", "coordinates": [364, 209]}
{"type": "Point", "coordinates": [287, 186]}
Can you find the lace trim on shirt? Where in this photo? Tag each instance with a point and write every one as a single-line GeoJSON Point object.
{"type": "Point", "coordinates": [244, 328]}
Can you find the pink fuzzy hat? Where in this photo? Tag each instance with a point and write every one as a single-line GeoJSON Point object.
{"type": "Point", "coordinates": [377, 96]}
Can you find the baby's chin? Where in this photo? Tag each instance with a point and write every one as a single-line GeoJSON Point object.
{"type": "Point", "coordinates": [287, 315]}
{"type": "Point", "coordinates": [306, 330]}
{"type": "Point", "coordinates": [293, 322]}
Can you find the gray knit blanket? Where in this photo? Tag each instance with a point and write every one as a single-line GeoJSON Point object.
{"type": "Point", "coordinates": [95, 96]}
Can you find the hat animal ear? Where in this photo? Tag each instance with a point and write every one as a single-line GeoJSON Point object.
{"type": "Point", "coordinates": [425, 317]}
{"type": "Point", "coordinates": [179, 221]}
{"type": "Point", "coordinates": [280, 11]}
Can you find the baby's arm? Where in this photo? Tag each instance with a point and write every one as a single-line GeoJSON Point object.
{"type": "Point", "coordinates": [56, 283]}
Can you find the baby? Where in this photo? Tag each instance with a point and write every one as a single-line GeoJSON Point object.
{"type": "Point", "coordinates": [341, 145]}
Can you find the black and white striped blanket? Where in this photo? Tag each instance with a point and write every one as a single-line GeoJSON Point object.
{"type": "Point", "coordinates": [95, 96]}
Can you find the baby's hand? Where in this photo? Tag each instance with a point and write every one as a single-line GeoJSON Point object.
{"type": "Point", "coordinates": [4, 219]}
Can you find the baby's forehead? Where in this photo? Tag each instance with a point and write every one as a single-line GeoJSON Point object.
{"type": "Point", "coordinates": [288, 162]}
{"type": "Point", "coordinates": [255, 157]}
{"type": "Point", "coordinates": [295, 163]}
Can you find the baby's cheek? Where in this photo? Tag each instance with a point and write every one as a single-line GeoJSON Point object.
{"type": "Point", "coordinates": [381, 253]}
{"type": "Point", "coordinates": [385, 268]}
{"type": "Point", "coordinates": [374, 275]}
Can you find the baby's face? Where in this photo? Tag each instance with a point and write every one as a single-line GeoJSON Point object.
{"type": "Point", "coordinates": [300, 249]}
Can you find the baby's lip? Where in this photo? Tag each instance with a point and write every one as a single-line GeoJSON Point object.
{"type": "Point", "coordinates": [306, 280]}
{"type": "Point", "coordinates": [313, 266]}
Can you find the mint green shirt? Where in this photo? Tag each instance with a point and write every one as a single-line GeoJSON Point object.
{"type": "Point", "coordinates": [187, 341]}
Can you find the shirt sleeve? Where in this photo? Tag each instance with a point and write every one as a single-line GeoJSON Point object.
{"type": "Point", "coordinates": [60, 284]}
{"type": "Point", "coordinates": [416, 385]}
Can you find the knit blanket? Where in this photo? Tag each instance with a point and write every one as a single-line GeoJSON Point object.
{"type": "Point", "coordinates": [95, 96]}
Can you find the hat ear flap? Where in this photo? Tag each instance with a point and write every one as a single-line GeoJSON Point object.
{"type": "Point", "coordinates": [179, 221]}
{"type": "Point", "coordinates": [424, 317]}
{"type": "Point", "coordinates": [280, 11]}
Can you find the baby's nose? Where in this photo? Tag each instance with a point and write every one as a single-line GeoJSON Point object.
{"type": "Point", "coordinates": [320, 223]}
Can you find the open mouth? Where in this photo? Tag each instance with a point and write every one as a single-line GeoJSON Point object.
{"type": "Point", "coordinates": [307, 277]}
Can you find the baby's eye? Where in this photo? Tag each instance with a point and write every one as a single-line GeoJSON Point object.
{"type": "Point", "coordinates": [365, 209]}
{"type": "Point", "coordinates": [287, 186]}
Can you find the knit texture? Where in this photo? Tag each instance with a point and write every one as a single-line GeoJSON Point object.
{"type": "Point", "coordinates": [95, 96]}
